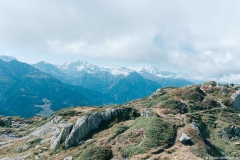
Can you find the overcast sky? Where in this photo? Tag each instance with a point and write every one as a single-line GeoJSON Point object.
{"type": "Point", "coordinates": [189, 35]}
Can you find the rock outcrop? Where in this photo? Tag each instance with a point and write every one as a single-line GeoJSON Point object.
{"type": "Point", "coordinates": [157, 93]}
{"type": "Point", "coordinates": [231, 133]}
{"type": "Point", "coordinates": [66, 129]}
{"type": "Point", "coordinates": [224, 89]}
{"type": "Point", "coordinates": [72, 135]}
{"type": "Point", "coordinates": [147, 112]}
{"type": "Point", "coordinates": [196, 127]}
{"type": "Point", "coordinates": [68, 158]}
{"type": "Point", "coordinates": [236, 100]}
{"type": "Point", "coordinates": [185, 139]}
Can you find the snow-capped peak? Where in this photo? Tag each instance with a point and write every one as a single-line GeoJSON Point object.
{"type": "Point", "coordinates": [152, 70]}
{"type": "Point", "coordinates": [145, 68]}
{"type": "Point", "coordinates": [7, 58]}
{"type": "Point", "coordinates": [78, 66]}
{"type": "Point", "coordinates": [117, 71]}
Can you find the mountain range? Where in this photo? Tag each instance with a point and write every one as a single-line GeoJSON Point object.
{"type": "Point", "coordinates": [122, 84]}
{"type": "Point", "coordinates": [43, 88]}
{"type": "Point", "coordinates": [76, 71]}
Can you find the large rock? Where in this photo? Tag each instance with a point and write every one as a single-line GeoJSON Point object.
{"type": "Point", "coordinates": [231, 133]}
{"type": "Point", "coordinates": [224, 89]}
{"type": "Point", "coordinates": [66, 129]}
{"type": "Point", "coordinates": [48, 128]}
{"type": "Point", "coordinates": [236, 100]}
{"type": "Point", "coordinates": [86, 124]}
{"type": "Point", "coordinates": [146, 113]}
{"type": "Point", "coordinates": [185, 139]}
{"type": "Point", "coordinates": [68, 158]}
{"type": "Point", "coordinates": [196, 127]}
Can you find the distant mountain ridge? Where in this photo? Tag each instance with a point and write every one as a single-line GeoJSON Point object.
{"type": "Point", "coordinates": [79, 67]}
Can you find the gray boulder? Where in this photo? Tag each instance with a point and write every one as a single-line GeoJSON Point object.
{"type": "Point", "coordinates": [224, 90]}
{"type": "Point", "coordinates": [147, 112]}
{"type": "Point", "coordinates": [62, 136]}
{"type": "Point", "coordinates": [25, 147]}
{"type": "Point", "coordinates": [196, 127]}
{"type": "Point", "coordinates": [68, 158]}
{"type": "Point", "coordinates": [185, 139]}
{"type": "Point", "coordinates": [86, 124]}
{"type": "Point", "coordinates": [231, 133]}
{"type": "Point", "coordinates": [82, 127]}
{"type": "Point", "coordinates": [236, 100]}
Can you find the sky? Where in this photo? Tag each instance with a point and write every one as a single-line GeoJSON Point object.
{"type": "Point", "coordinates": [199, 36]}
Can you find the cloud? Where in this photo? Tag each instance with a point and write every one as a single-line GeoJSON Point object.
{"type": "Point", "coordinates": [199, 36]}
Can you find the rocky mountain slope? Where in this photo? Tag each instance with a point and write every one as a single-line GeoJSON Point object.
{"type": "Point", "coordinates": [192, 122]}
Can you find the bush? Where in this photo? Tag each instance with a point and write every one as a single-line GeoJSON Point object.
{"type": "Point", "coordinates": [158, 133]}
{"type": "Point", "coordinates": [193, 93]}
{"type": "Point", "coordinates": [227, 102]}
{"type": "Point", "coordinates": [120, 129]}
{"type": "Point", "coordinates": [2, 124]}
{"type": "Point", "coordinates": [99, 153]}
{"type": "Point", "coordinates": [173, 106]}
{"type": "Point", "coordinates": [164, 97]}
{"type": "Point", "coordinates": [131, 150]}
{"type": "Point", "coordinates": [67, 113]}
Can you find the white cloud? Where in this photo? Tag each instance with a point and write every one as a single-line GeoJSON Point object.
{"type": "Point", "coordinates": [201, 35]}
{"type": "Point", "coordinates": [230, 78]}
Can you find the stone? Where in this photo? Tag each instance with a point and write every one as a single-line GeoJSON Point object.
{"type": "Point", "coordinates": [88, 141]}
{"type": "Point", "coordinates": [25, 147]}
{"type": "Point", "coordinates": [62, 136]}
{"type": "Point", "coordinates": [185, 139]}
{"type": "Point", "coordinates": [68, 158]}
{"type": "Point", "coordinates": [232, 133]}
{"type": "Point", "coordinates": [86, 124]}
{"type": "Point", "coordinates": [44, 148]}
{"type": "Point", "coordinates": [8, 121]}
{"type": "Point", "coordinates": [237, 143]}
{"type": "Point", "coordinates": [224, 90]}
{"type": "Point", "coordinates": [196, 127]}
{"type": "Point", "coordinates": [156, 93]}
{"type": "Point", "coordinates": [146, 113]}
{"type": "Point", "coordinates": [236, 100]}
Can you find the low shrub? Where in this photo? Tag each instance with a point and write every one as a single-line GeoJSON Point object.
{"type": "Point", "coordinates": [98, 152]}
{"type": "Point", "coordinates": [120, 129]}
{"type": "Point", "coordinates": [158, 133]}
{"type": "Point", "coordinates": [227, 101]}
{"type": "Point", "coordinates": [2, 123]}
{"type": "Point", "coordinates": [174, 106]}
{"type": "Point", "coordinates": [130, 150]}
{"type": "Point", "coordinates": [67, 113]}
